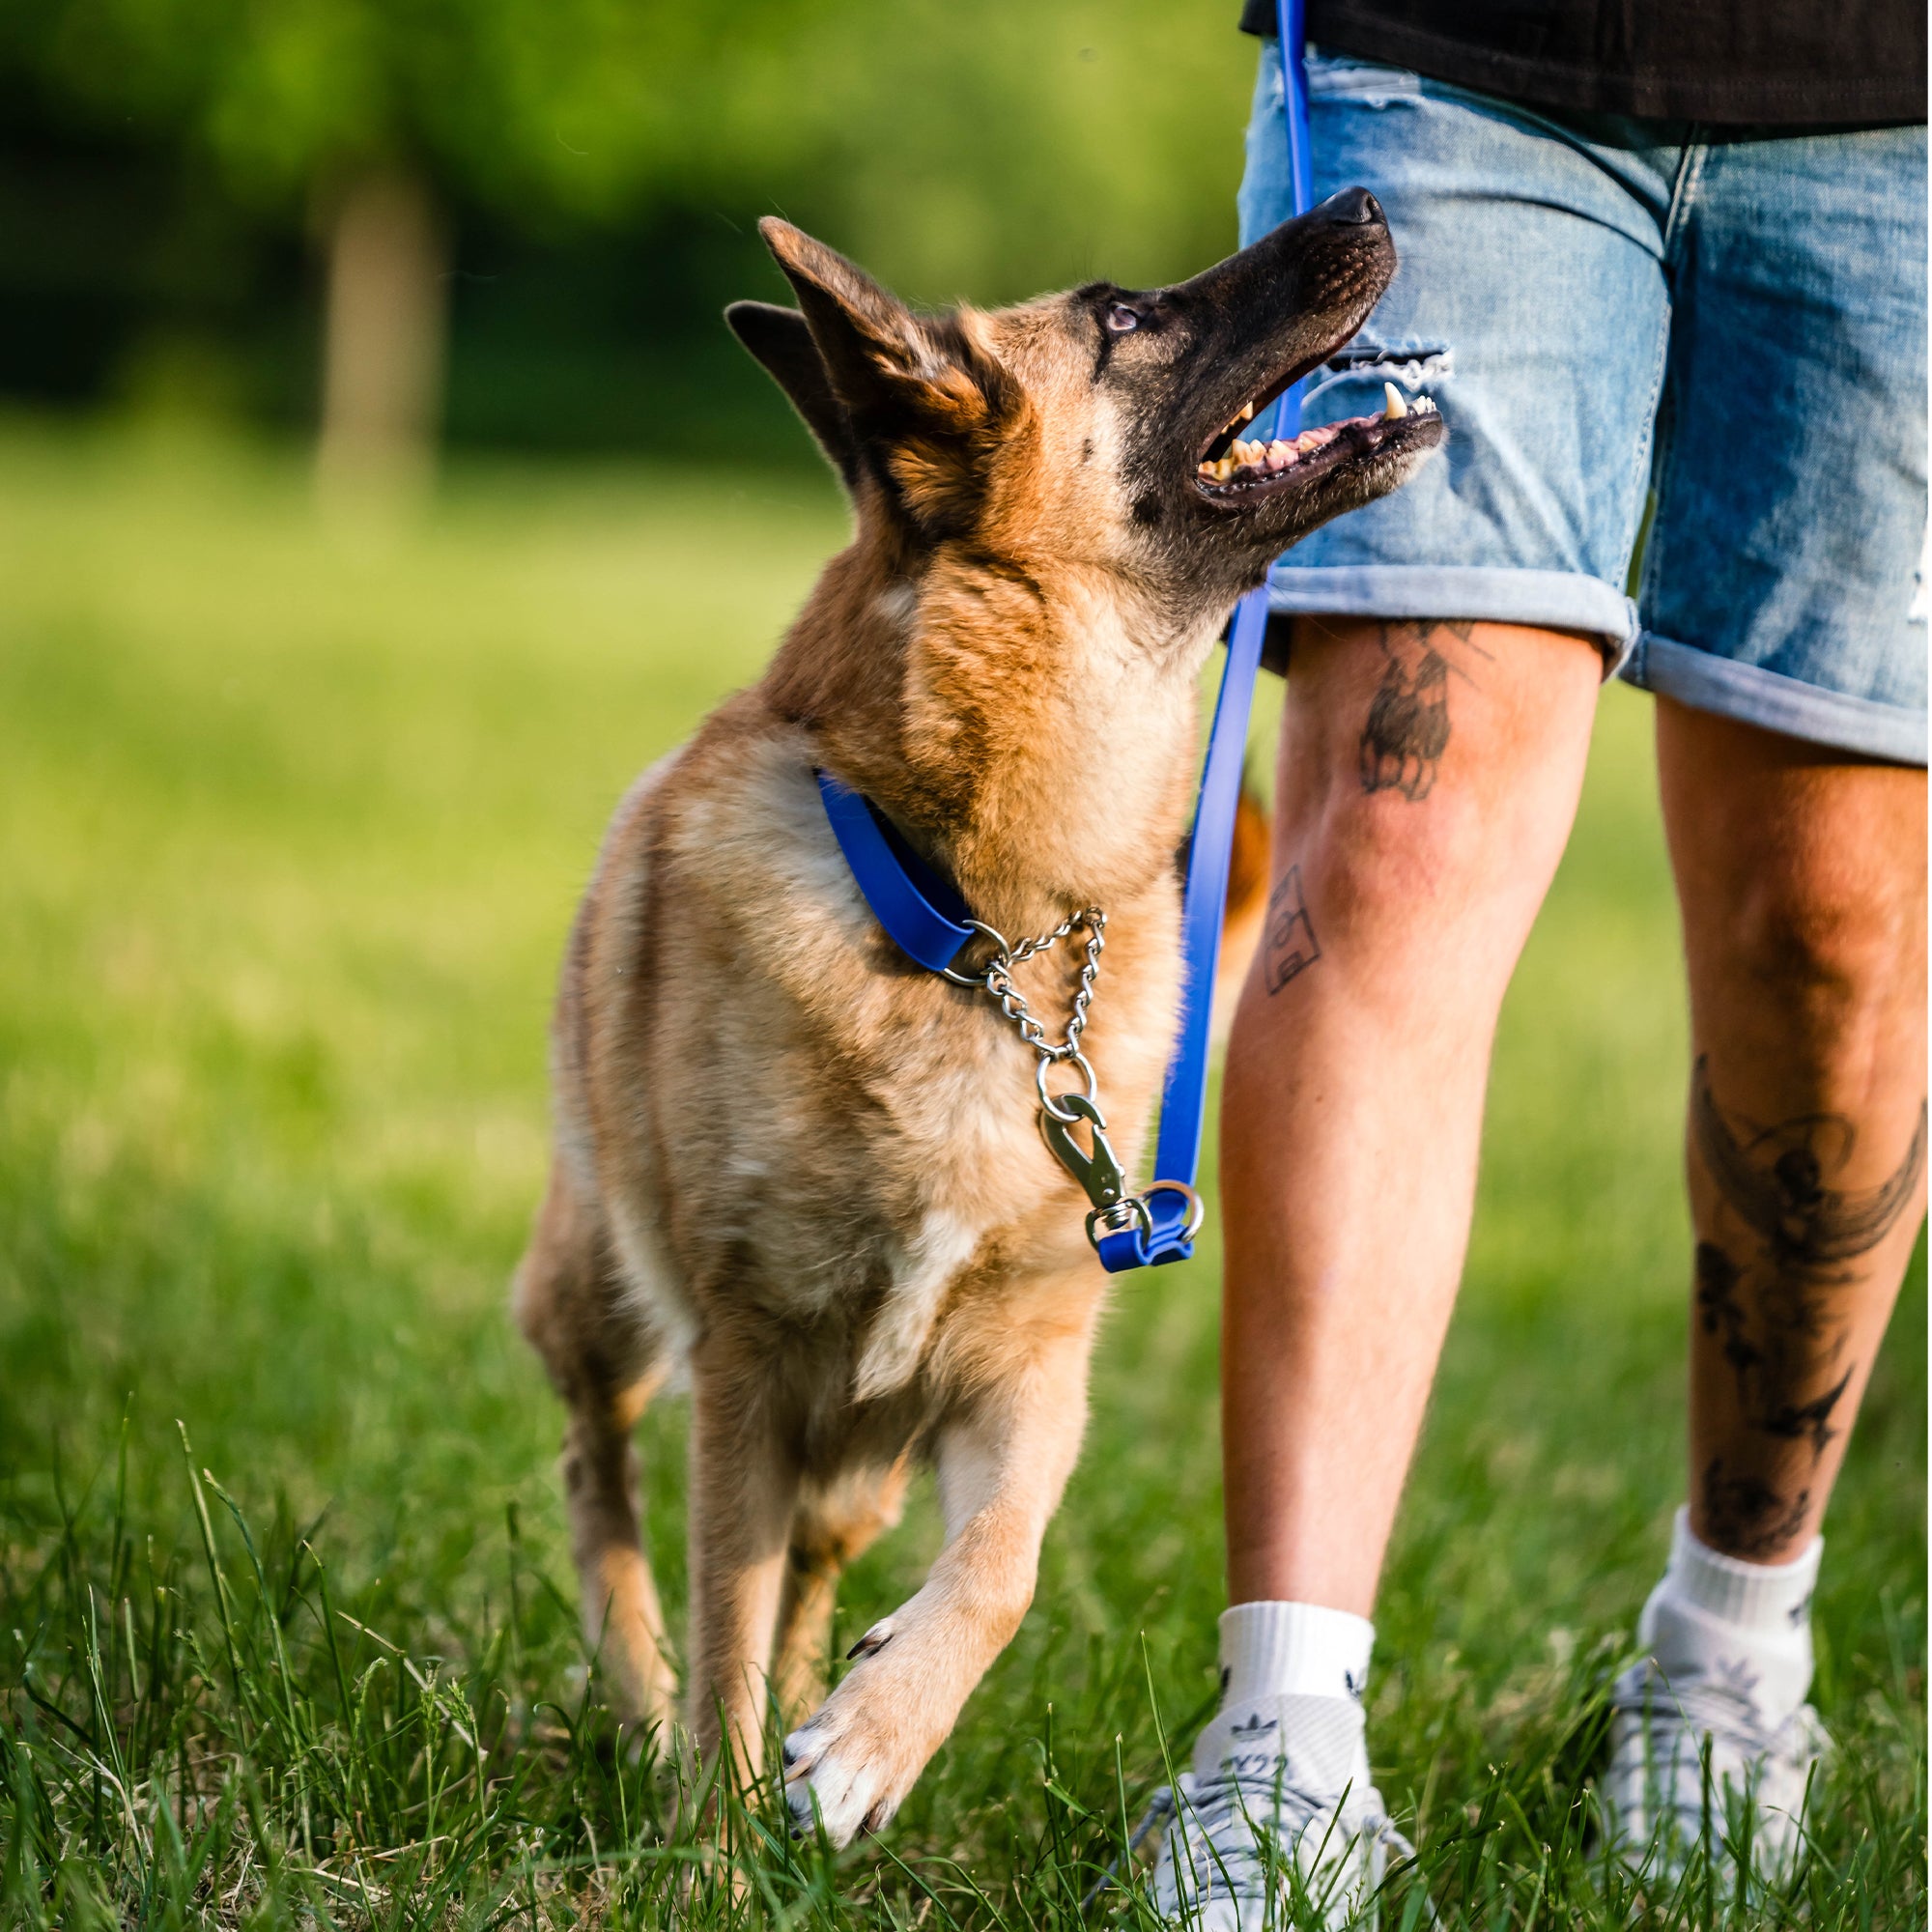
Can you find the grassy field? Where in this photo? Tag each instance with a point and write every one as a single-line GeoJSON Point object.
{"type": "Point", "coordinates": [291, 824]}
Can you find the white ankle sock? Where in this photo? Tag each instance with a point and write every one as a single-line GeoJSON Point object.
{"type": "Point", "coordinates": [1293, 1650]}
{"type": "Point", "coordinates": [1748, 1624]}
{"type": "Point", "coordinates": [1291, 1681]}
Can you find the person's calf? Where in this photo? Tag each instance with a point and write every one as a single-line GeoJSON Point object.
{"type": "Point", "coordinates": [1801, 876]}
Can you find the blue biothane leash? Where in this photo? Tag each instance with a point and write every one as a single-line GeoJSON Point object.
{"type": "Point", "coordinates": [925, 915]}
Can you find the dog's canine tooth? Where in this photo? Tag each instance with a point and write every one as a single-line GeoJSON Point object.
{"type": "Point", "coordinates": [1394, 408]}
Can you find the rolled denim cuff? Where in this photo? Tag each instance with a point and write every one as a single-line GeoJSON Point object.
{"type": "Point", "coordinates": [1769, 700]}
{"type": "Point", "coordinates": [1551, 600]}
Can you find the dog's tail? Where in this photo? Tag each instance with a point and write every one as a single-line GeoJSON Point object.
{"type": "Point", "coordinates": [1247, 906]}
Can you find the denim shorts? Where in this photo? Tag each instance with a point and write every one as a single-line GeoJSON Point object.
{"type": "Point", "coordinates": [1613, 313]}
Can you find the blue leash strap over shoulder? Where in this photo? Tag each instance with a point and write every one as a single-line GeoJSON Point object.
{"type": "Point", "coordinates": [930, 920]}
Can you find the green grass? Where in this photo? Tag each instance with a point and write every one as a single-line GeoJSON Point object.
{"type": "Point", "coordinates": [291, 824]}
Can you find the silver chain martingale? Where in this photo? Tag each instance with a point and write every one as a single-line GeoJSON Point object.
{"type": "Point", "coordinates": [1098, 1173]}
{"type": "Point", "coordinates": [996, 978]}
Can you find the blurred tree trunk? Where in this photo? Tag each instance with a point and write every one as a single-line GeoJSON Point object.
{"type": "Point", "coordinates": [383, 340]}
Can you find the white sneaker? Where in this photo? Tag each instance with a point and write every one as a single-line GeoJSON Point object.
{"type": "Point", "coordinates": [1285, 1832]}
{"type": "Point", "coordinates": [1657, 1801]}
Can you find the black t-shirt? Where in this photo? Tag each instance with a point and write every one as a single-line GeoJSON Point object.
{"type": "Point", "coordinates": [1770, 64]}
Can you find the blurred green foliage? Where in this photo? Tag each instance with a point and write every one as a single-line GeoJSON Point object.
{"type": "Point", "coordinates": [992, 148]}
{"type": "Point", "coordinates": [603, 164]}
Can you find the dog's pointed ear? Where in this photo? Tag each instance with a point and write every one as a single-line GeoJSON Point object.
{"type": "Point", "coordinates": [782, 341]}
{"type": "Point", "coordinates": [924, 396]}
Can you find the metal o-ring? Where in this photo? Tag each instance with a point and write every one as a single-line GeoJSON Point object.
{"type": "Point", "coordinates": [1067, 1116]}
{"type": "Point", "coordinates": [1001, 951]}
{"type": "Point", "coordinates": [1197, 1211]}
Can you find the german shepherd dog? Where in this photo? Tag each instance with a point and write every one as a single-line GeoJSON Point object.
{"type": "Point", "coordinates": [795, 1165]}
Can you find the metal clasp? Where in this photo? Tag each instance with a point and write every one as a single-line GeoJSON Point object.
{"type": "Point", "coordinates": [1134, 1213]}
{"type": "Point", "coordinates": [1099, 1173]}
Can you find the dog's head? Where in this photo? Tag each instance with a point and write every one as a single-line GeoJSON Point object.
{"type": "Point", "coordinates": [1103, 426]}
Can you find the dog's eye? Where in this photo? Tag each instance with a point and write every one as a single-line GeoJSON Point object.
{"type": "Point", "coordinates": [1120, 318]}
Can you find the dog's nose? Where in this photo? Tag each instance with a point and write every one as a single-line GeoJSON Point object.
{"type": "Point", "coordinates": [1352, 206]}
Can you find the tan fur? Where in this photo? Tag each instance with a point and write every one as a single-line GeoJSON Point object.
{"type": "Point", "coordinates": [808, 1173]}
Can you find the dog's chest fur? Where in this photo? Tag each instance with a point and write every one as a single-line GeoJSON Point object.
{"type": "Point", "coordinates": [802, 1137]}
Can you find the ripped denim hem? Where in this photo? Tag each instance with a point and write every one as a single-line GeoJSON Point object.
{"type": "Point", "coordinates": [1774, 702]}
{"type": "Point", "coordinates": [1555, 600]}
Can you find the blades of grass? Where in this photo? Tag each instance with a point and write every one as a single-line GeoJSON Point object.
{"type": "Point", "coordinates": [284, 1676]}
{"type": "Point", "coordinates": [220, 1584]}
{"type": "Point", "coordinates": [115, 1769]}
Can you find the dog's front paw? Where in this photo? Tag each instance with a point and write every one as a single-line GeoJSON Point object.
{"type": "Point", "coordinates": [851, 1763]}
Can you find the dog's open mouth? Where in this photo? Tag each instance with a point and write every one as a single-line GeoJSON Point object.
{"type": "Point", "coordinates": [1232, 467]}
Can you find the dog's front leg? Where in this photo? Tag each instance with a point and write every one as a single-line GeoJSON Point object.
{"type": "Point", "coordinates": [1002, 1462]}
{"type": "Point", "coordinates": [743, 1493]}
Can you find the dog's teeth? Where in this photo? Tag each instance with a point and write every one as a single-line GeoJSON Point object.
{"type": "Point", "coordinates": [1424, 406]}
{"type": "Point", "coordinates": [1280, 455]}
{"type": "Point", "coordinates": [1394, 408]}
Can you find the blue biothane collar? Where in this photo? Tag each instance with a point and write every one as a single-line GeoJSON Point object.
{"type": "Point", "coordinates": [920, 911]}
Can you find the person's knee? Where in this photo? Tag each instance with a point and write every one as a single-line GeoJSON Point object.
{"type": "Point", "coordinates": [1801, 879]}
{"type": "Point", "coordinates": [1405, 884]}
{"type": "Point", "coordinates": [1429, 777]}
{"type": "Point", "coordinates": [1384, 866]}
{"type": "Point", "coordinates": [1829, 939]}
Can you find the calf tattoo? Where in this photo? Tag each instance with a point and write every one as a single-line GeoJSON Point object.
{"type": "Point", "coordinates": [1749, 1515]}
{"type": "Point", "coordinates": [1407, 730]}
{"type": "Point", "coordinates": [1290, 943]}
{"type": "Point", "coordinates": [1770, 1291]}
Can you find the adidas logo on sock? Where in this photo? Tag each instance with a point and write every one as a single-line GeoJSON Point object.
{"type": "Point", "coordinates": [1355, 1685]}
{"type": "Point", "coordinates": [1257, 1726]}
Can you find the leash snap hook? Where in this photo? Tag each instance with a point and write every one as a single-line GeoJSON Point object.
{"type": "Point", "coordinates": [1099, 1173]}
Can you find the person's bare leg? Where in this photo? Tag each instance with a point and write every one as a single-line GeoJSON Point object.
{"type": "Point", "coordinates": [1802, 875]}
{"type": "Point", "coordinates": [1429, 777]}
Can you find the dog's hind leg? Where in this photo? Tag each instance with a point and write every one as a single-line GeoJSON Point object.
{"type": "Point", "coordinates": [744, 1494]}
{"type": "Point", "coordinates": [832, 1525]}
{"type": "Point", "coordinates": [606, 1365]}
